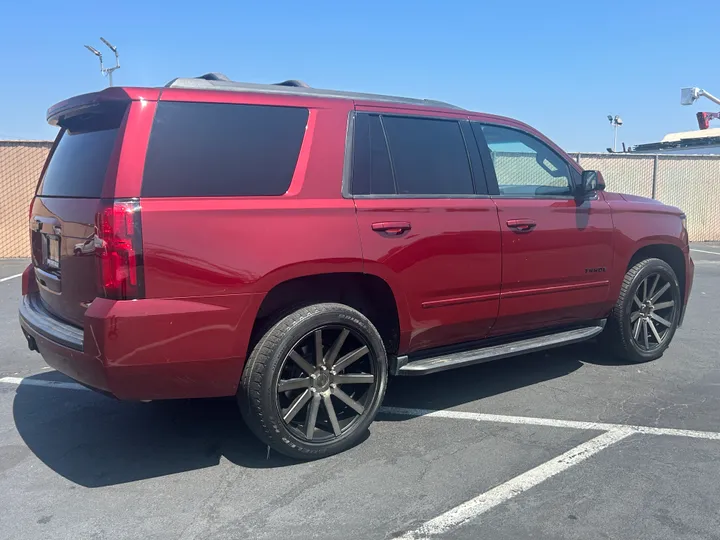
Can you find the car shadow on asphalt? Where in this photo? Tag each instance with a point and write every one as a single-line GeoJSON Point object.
{"type": "Point", "coordinates": [96, 441]}
{"type": "Point", "coordinates": [93, 440]}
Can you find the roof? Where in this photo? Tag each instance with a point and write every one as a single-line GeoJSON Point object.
{"type": "Point", "coordinates": [218, 81]}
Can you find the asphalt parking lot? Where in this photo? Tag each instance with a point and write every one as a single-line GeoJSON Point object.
{"type": "Point", "coordinates": [563, 444]}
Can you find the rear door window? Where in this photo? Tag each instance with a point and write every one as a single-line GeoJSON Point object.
{"type": "Point", "coordinates": [80, 159]}
{"type": "Point", "coordinates": [213, 149]}
{"type": "Point", "coordinates": [428, 156]}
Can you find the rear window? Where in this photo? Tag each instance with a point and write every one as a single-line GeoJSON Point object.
{"type": "Point", "coordinates": [80, 159]}
{"type": "Point", "coordinates": [211, 149]}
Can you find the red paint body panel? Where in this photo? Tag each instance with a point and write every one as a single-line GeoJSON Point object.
{"type": "Point", "coordinates": [446, 267]}
{"type": "Point", "coordinates": [547, 276]}
{"type": "Point", "coordinates": [643, 222]}
{"type": "Point", "coordinates": [160, 349]}
{"type": "Point", "coordinates": [460, 269]}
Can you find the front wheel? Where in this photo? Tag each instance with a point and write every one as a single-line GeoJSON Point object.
{"type": "Point", "coordinates": [646, 314]}
{"type": "Point", "coordinates": [314, 382]}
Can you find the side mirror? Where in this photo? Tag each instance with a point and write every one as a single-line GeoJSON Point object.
{"type": "Point", "coordinates": [591, 181]}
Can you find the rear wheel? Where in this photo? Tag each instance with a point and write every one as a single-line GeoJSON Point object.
{"type": "Point", "coordinates": [314, 382]}
{"type": "Point", "coordinates": [646, 315]}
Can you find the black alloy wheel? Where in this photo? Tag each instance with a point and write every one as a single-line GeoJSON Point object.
{"type": "Point", "coordinates": [314, 382]}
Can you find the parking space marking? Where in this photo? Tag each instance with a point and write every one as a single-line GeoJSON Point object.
{"type": "Point", "coordinates": [473, 508]}
{"type": "Point", "coordinates": [38, 382]}
{"type": "Point", "coordinates": [9, 277]}
{"type": "Point", "coordinates": [456, 415]}
{"type": "Point", "coordinates": [550, 422]}
{"type": "Point", "coordinates": [456, 517]}
{"type": "Point", "coordinates": [703, 251]}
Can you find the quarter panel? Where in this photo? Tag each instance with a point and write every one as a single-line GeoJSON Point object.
{"type": "Point", "coordinates": [205, 246]}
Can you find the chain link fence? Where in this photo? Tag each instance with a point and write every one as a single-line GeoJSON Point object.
{"type": "Point", "coordinates": [21, 163]}
{"type": "Point", "coordinates": [686, 181]}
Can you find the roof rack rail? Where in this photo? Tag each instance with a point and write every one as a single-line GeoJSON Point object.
{"type": "Point", "coordinates": [214, 76]}
{"type": "Point", "coordinates": [219, 81]}
{"type": "Point", "coordinates": [293, 82]}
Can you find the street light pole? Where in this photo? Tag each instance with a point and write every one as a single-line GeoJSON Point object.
{"type": "Point", "coordinates": [106, 71]}
{"type": "Point", "coordinates": [614, 136]}
{"type": "Point", "coordinates": [615, 122]}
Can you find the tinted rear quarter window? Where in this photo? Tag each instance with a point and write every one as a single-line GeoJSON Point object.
{"type": "Point", "coordinates": [428, 156]}
{"type": "Point", "coordinates": [372, 172]}
{"type": "Point", "coordinates": [80, 159]}
{"type": "Point", "coordinates": [211, 149]}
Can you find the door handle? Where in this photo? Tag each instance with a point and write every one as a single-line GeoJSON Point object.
{"type": "Point", "coordinates": [521, 225]}
{"type": "Point", "coordinates": [394, 228]}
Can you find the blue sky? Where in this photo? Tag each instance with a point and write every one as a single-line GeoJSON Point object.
{"type": "Point", "coordinates": [559, 66]}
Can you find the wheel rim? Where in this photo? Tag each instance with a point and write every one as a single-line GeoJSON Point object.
{"type": "Point", "coordinates": [326, 383]}
{"type": "Point", "coordinates": [652, 315]}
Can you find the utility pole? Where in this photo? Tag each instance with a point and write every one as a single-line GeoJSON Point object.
{"type": "Point", "coordinates": [615, 122]}
{"type": "Point", "coordinates": [106, 71]}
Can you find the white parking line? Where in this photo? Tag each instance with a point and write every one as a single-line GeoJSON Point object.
{"type": "Point", "coordinates": [9, 277]}
{"type": "Point", "coordinates": [454, 518]}
{"type": "Point", "coordinates": [38, 382]}
{"type": "Point", "coordinates": [703, 251]}
{"type": "Point", "coordinates": [457, 415]}
{"type": "Point", "coordinates": [551, 422]}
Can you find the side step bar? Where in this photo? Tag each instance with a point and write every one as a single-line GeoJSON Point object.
{"type": "Point", "coordinates": [404, 366]}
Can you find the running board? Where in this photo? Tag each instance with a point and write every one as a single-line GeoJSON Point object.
{"type": "Point", "coordinates": [404, 366]}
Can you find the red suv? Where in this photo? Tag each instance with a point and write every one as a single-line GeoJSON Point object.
{"type": "Point", "coordinates": [294, 247]}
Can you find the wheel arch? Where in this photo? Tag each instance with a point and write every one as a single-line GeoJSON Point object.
{"type": "Point", "coordinates": [669, 253]}
{"type": "Point", "coordinates": [371, 295]}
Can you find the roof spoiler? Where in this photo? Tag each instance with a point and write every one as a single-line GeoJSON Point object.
{"type": "Point", "coordinates": [87, 103]}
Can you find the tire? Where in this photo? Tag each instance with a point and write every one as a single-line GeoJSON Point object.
{"type": "Point", "coordinates": [642, 315]}
{"type": "Point", "coordinates": [284, 381]}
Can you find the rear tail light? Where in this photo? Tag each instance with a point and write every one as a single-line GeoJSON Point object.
{"type": "Point", "coordinates": [118, 248]}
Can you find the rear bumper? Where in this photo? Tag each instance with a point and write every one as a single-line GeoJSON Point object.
{"type": "Point", "coordinates": [148, 349]}
{"type": "Point", "coordinates": [34, 316]}
{"type": "Point", "coordinates": [60, 344]}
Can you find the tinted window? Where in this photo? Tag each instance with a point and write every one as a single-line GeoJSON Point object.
{"type": "Point", "coordinates": [524, 166]}
{"type": "Point", "coordinates": [428, 156]}
{"type": "Point", "coordinates": [80, 160]}
{"type": "Point", "coordinates": [372, 172]}
{"type": "Point", "coordinates": [210, 149]}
